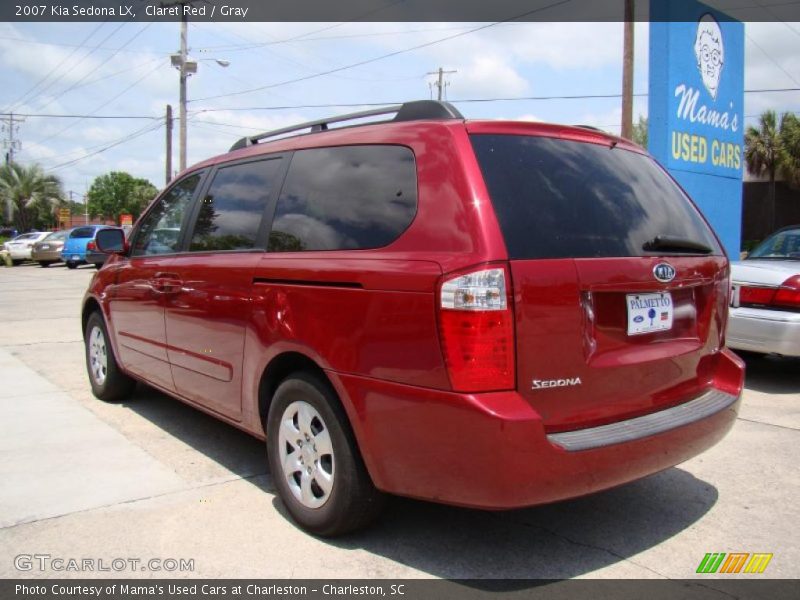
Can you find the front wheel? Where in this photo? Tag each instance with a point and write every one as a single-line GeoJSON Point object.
{"type": "Point", "coordinates": [45, 263]}
{"type": "Point", "coordinates": [109, 383]}
{"type": "Point", "coordinates": [314, 459]}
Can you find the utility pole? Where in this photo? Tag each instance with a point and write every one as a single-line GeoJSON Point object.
{"type": "Point", "coordinates": [440, 83]}
{"type": "Point", "coordinates": [169, 144]}
{"type": "Point", "coordinates": [627, 73]}
{"type": "Point", "coordinates": [12, 144]}
{"type": "Point", "coordinates": [10, 128]}
{"type": "Point", "coordinates": [186, 68]}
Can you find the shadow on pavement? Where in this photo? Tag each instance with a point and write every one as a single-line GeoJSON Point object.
{"type": "Point", "coordinates": [233, 449]}
{"type": "Point", "coordinates": [771, 374]}
{"type": "Point", "coordinates": [556, 541]}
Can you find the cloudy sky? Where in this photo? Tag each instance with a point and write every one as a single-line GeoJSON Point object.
{"type": "Point", "coordinates": [123, 70]}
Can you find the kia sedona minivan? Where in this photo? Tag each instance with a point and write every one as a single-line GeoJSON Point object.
{"type": "Point", "coordinates": [489, 314]}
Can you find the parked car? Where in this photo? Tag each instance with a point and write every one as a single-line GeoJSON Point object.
{"type": "Point", "coordinates": [8, 232]}
{"type": "Point", "coordinates": [80, 238]}
{"type": "Point", "coordinates": [48, 250]}
{"type": "Point", "coordinates": [765, 301]}
{"type": "Point", "coordinates": [94, 256]}
{"type": "Point", "coordinates": [20, 247]}
{"type": "Point", "coordinates": [491, 314]}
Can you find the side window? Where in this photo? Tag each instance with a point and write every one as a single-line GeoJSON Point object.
{"type": "Point", "coordinates": [230, 214]}
{"type": "Point", "coordinates": [160, 231]}
{"type": "Point", "coordinates": [344, 198]}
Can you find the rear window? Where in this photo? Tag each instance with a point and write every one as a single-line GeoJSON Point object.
{"type": "Point", "coordinates": [82, 232]}
{"type": "Point", "coordinates": [56, 236]}
{"type": "Point", "coordinates": [345, 198]}
{"type": "Point", "coordinates": [564, 199]}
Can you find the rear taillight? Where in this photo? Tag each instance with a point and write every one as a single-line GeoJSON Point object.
{"type": "Point", "coordinates": [91, 245]}
{"type": "Point", "coordinates": [477, 330]}
{"type": "Point", "coordinates": [785, 296]}
{"type": "Point", "coordinates": [788, 295]}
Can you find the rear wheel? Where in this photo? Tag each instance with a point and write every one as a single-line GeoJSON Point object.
{"type": "Point", "coordinates": [314, 460]}
{"type": "Point", "coordinates": [16, 262]}
{"type": "Point", "coordinates": [45, 263]}
{"type": "Point", "coordinates": [108, 382]}
{"type": "Point", "coordinates": [98, 265]}
{"type": "Point", "coordinates": [72, 265]}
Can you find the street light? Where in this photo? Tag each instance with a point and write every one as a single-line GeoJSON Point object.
{"type": "Point", "coordinates": [186, 67]}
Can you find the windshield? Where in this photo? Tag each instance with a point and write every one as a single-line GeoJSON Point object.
{"type": "Point", "coordinates": [781, 245]}
{"type": "Point", "coordinates": [26, 236]}
{"type": "Point", "coordinates": [56, 236]}
{"type": "Point", "coordinates": [564, 199]}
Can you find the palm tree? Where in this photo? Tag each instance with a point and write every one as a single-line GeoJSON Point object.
{"type": "Point", "coordinates": [789, 163]}
{"type": "Point", "coordinates": [26, 192]}
{"type": "Point", "coordinates": [772, 149]}
{"type": "Point", "coordinates": [762, 150]}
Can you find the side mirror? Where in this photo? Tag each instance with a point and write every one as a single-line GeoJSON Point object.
{"type": "Point", "coordinates": [111, 241]}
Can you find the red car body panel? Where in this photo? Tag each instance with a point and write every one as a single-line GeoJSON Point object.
{"type": "Point", "coordinates": [204, 327]}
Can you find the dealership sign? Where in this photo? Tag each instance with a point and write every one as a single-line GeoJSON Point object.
{"type": "Point", "coordinates": [696, 107]}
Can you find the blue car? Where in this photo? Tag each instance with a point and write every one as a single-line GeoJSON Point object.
{"type": "Point", "coordinates": [74, 251]}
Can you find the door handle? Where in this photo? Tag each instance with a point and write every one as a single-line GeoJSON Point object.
{"type": "Point", "coordinates": [166, 283]}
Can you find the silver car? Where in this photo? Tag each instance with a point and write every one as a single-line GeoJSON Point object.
{"type": "Point", "coordinates": [765, 299]}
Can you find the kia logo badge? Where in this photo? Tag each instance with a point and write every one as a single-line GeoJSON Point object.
{"type": "Point", "coordinates": [664, 272]}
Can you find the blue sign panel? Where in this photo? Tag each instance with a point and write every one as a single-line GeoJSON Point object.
{"type": "Point", "coordinates": [696, 108]}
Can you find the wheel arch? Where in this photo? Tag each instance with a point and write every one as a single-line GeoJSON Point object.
{"type": "Point", "coordinates": [278, 369]}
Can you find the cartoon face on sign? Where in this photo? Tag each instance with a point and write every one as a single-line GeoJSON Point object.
{"type": "Point", "coordinates": [710, 53]}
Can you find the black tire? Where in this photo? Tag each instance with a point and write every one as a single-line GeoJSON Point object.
{"type": "Point", "coordinates": [44, 263]}
{"type": "Point", "coordinates": [98, 265]}
{"type": "Point", "coordinates": [17, 262]}
{"type": "Point", "coordinates": [115, 385]}
{"type": "Point", "coordinates": [353, 501]}
{"type": "Point", "coordinates": [71, 265]}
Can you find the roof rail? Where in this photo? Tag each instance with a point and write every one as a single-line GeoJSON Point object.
{"type": "Point", "coordinates": [592, 127]}
{"type": "Point", "coordinates": [417, 110]}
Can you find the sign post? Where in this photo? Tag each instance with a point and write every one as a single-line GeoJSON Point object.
{"type": "Point", "coordinates": [696, 108]}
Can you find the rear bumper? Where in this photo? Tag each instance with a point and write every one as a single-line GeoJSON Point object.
{"type": "Point", "coordinates": [492, 451]}
{"type": "Point", "coordinates": [20, 253]}
{"type": "Point", "coordinates": [765, 331]}
{"type": "Point", "coordinates": [95, 258]}
{"type": "Point", "coordinates": [46, 254]}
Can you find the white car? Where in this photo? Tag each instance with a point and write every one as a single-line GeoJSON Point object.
{"type": "Point", "coordinates": [765, 299]}
{"type": "Point", "coordinates": [20, 247]}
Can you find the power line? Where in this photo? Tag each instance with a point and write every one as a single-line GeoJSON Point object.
{"type": "Point", "coordinates": [384, 56]}
{"type": "Point", "coordinates": [103, 105]}
{"type": "Point", "coordinates": [25, 95]}
{"type": "Point", "coordinates": [127, 138]}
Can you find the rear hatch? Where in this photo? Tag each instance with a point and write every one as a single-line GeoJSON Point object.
{"type": "Point", "coordinates": [75, 244]}
{"type": "Point", "coordinates": [620, 286]}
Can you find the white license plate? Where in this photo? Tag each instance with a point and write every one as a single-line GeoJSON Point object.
{"type": "Point", "coordinates": [76, 257]}
{"type": "Point", "coordinates": [649, 312]}
{"type": "Point", "coordinates": [44, 247]}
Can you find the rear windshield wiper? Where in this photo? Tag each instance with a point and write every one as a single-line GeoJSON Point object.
{"type": "Point", "coordinates": [668, 243]}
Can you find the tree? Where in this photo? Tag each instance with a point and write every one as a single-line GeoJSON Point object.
{"type": "Point", "coordinates": [790, 152]}
{"type": "Point", "coordinates": [29, 194]}
{"type": "Point", "coordinates": [117, 193]}
{"type": "Point", "coordinates": [640, 131]}
{"type": "Point", "coordinates": [774, 148]}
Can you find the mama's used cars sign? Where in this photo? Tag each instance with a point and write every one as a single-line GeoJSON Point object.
{"type": "Point", "coordinates": [696, 107]}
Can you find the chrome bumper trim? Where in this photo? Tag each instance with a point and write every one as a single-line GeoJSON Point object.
{"type": "Point", "coordinates": [639, 427]}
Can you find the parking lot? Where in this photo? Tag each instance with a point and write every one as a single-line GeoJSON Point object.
{"type": "Point", "coordinates": [153, 478]}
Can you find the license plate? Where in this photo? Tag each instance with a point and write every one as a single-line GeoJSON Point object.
{"type": "Point", "coordinates": [76, 257]}
{"type": "Point", "coordinates": [649, 312]}
{"type": "Point", "coordinates": [44, 247]}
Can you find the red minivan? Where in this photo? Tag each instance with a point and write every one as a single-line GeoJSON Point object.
{"type": "Point", "coordinates": [490, 314]}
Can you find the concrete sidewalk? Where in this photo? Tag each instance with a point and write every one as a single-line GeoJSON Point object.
{"type": "Point", "coordinates": [59, 458]}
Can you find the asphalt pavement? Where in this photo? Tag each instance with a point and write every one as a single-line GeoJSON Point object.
{"type": "Point", "coordinates": [152, 478]}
